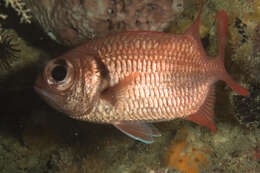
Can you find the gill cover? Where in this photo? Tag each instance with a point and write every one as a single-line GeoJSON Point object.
{"type": "Point", "coordinates": [72, 83]}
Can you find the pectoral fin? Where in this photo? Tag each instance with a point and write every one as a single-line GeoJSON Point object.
{"type": "Point", "coordinates": [139, 131]}
{"type": "Point", "coordinates": [113, 94]}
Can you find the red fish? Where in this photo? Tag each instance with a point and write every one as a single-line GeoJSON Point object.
{"type": "Point", "coordinates": [133, 78]}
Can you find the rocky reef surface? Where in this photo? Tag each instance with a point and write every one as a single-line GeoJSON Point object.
{"type": "Point", "coordinates": [36, 138]}
{"type": "Point", "coordinates": [71, 22]}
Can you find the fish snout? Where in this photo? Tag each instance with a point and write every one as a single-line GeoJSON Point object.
{"type": "Point", "coordinates": [38, 83]}
{"type": "Point", "coordinates": [41, 88]}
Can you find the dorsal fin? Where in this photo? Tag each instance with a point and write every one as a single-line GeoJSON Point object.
{"type": "Point", "coordinates": [194, 29]}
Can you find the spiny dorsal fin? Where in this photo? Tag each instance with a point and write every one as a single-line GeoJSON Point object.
{"type": "Point", "coordinates": [194, 29]}
{"type": "Point", "coordinates": [113, 94]}
{"type": "Point", "coordinates": [205, 115]}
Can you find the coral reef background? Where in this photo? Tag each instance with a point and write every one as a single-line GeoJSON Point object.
{"type": "Point", "coordinates": [36, 138]}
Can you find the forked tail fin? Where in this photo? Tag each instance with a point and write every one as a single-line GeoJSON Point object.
{"type": "Point", "coordinates": [235, 86]}
{"type": "Point", "coordinates": [222, 28]}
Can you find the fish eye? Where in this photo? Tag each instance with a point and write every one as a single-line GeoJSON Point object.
{"type": "Point", "coordinates": [59, 74]}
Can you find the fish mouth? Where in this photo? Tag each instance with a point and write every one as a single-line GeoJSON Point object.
{"type": "Point", "coordinates": [45, 93]}
{"type": "Point", "coordinates": [38, 87]}
{"type": "Point", "coordinates": [47, 98]}
{"type": "Point", "coordinates": [40, 91]}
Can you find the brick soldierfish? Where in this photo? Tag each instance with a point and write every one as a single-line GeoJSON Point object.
{"type": "Point", "coordinates": [131, 79]}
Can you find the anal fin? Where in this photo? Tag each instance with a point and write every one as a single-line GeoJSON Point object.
{"type": "Point", "coordinates": [138, 130]}
{"type": "Point", "coordinates": [205, 115]}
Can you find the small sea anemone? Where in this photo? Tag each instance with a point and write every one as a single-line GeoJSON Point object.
{"type": "Point", "coordinates": [8, 51]}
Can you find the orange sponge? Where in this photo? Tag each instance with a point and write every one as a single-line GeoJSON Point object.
{"type": "Point", "coordinates": [186, 157]}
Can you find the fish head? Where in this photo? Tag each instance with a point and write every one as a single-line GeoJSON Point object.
{"type": "Point", "coordinates": [71, 84]}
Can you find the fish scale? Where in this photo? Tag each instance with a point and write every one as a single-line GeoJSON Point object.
{"type": "Point", "coordinates": [174, 56]}
{"type": "Point", "coordinates": [184, 65]}
{"type": "Point", "coordinates": [144, 61]}
{"type": "Point", "coordinates": [130, 79]}
{"type": "Point", "coordinates": [151, 67]}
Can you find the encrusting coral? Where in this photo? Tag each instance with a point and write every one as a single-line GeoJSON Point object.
{"type": "Point", "coordinates": [185, 155]}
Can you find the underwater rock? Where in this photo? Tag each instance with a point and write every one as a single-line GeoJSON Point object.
{"type": "Point", "coordinates": [247, 109]}
{"type": "Point", "coordinates": [71, 22]}
{"type": "Point", "coordinates": [232, 149]}
{"type": "Point", "coordinates": [245, 38]}
{"type": "Point", "coordinates": [253, 67]}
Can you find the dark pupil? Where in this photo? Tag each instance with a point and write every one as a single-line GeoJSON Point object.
{"type": "Point", "coordinates": [59, 73]}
